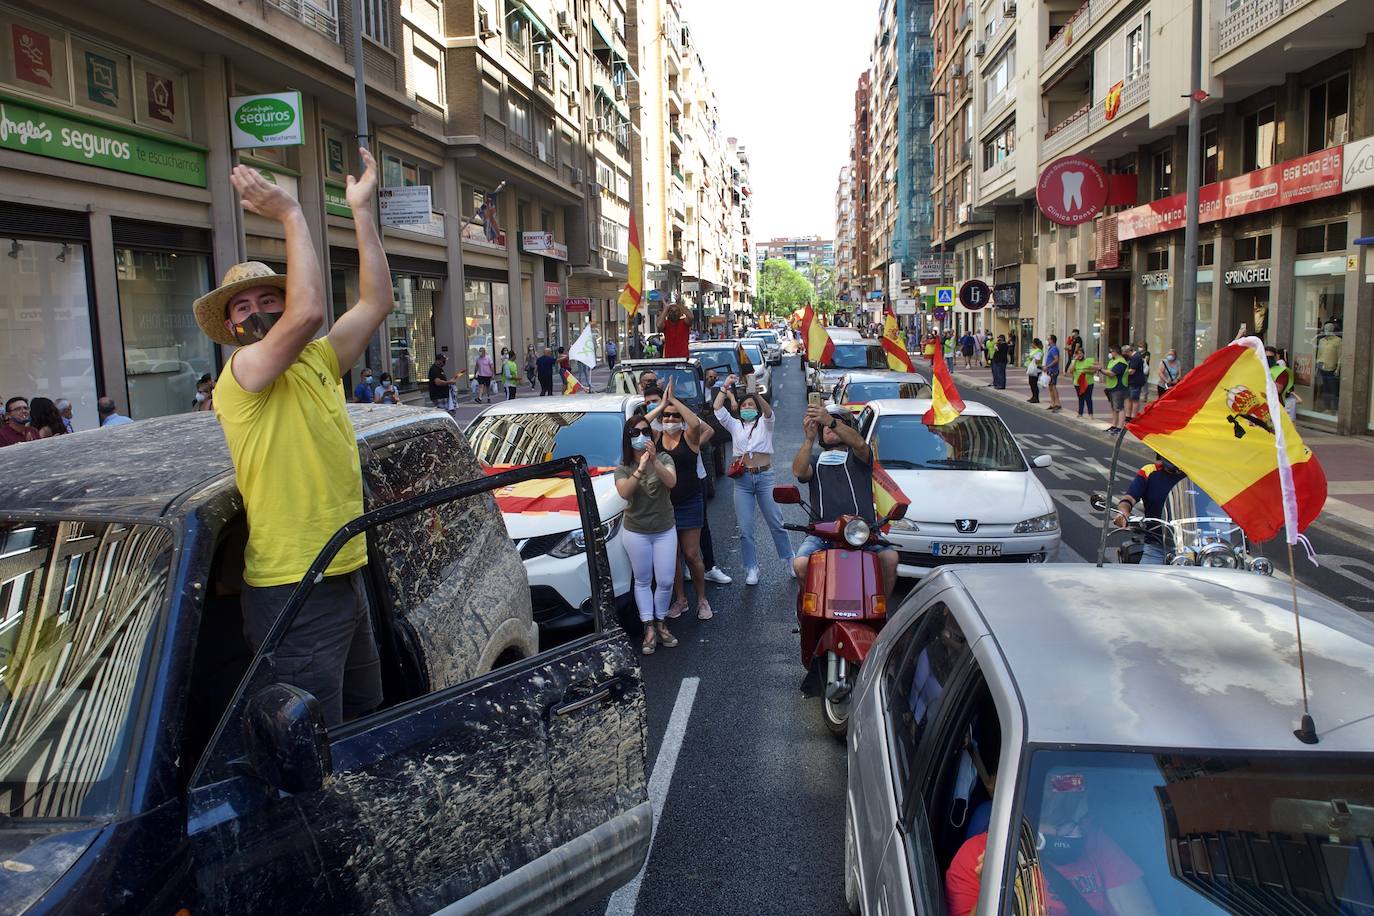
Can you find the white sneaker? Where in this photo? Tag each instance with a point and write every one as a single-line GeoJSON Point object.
{"type": "Point", "coordinates": [752, 576]}
{"type": "Point", "coordinates": [717, 575]}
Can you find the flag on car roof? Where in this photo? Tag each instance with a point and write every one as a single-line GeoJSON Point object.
{"type": "Point", "coordinates": [886, 493]}
{"type": "Point", "coordinates": [945, 403]}
{"type": "Point", "coordinates": [819, 346]}
{"type": "Point", "coordinates": [898, 360]}
{"type": "Point", "coordinates": [631, 295]}
{"type": "Point", "coordinates": [1225, 427]}
{"type": "Point", "coordinates": [571, 385]}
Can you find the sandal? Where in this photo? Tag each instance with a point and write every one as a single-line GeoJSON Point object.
{"type": "Point", "coordinates": [668, 639]}
{"type": "Point", "coordinates": [650, 639]}
{"type": "Point", "coordinates": [704, 611]}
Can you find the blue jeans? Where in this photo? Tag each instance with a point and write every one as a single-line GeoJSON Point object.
{"type": "Point", "coordinates": [1153, 556]}
{"type": "Point", "coordinates": [757, 490]}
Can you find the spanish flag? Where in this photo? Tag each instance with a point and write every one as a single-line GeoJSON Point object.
{"type": "Point", "coordinates": [1226, 428]}
{"type": "Point", "coordinates": [898, 360]}
{"type": "Point", "coordinates": [631, 295]}
{"type": "Point", "coordinates": [886, 493]}
{"type": "Point", "coordinates": [1111, 105]}
{"type": "Point", "coordinates": [945, 403]}
{"type": "Point", "coordinates": [819, 347]}
{"type": "Point", "coordinates": [571, 385]}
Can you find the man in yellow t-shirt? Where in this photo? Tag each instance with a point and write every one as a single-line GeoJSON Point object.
{"type": "Point", "coordinates": [280, 402]}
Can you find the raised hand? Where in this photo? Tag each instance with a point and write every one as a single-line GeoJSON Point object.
{"type": "Point", "coordinates": [361, 191]}
{"type": "Point", "coordinates": [260, 196]}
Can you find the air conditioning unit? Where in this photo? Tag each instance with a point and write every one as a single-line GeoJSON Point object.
{"type": "Point", "coordinates": [980, 48]}
{"type": "Point", "coordinates": [565, 23]}
{"type": "Point", "coordinates": [619, 92]}
{"type": "Point", "coordinates": [543, 71]}
{"type": "Point", "coordinates": [1008, 7]}
{"type": "Point", "coordinates": [484, 24]}
{"type": "Point", "coordinates": [577, 175]}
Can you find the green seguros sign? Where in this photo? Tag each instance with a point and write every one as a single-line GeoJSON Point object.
{"type": "Point", "coordinates": [266, 120]}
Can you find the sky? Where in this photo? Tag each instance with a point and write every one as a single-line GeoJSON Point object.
{"type": "Point", "coordinates": [784, 73]}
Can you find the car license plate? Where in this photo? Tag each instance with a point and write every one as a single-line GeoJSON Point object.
{"type": "Point", "coordinates": [974, 551]}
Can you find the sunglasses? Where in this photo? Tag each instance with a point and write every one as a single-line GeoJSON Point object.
{"type": "Point", "coordinates": [642, 429]}
{"type": "Point", "coordinates": [672, 416]}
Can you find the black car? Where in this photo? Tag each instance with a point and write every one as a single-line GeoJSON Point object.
{"type": "Point", "coordinates": [150, 762]}
{"type": "Point", "coordinates": [689, 385]}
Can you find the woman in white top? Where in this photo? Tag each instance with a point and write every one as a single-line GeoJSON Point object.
{"type": "Point", "coordinates": [750, 425]}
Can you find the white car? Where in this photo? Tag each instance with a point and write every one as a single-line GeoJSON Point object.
{"type": "Point", "coordinates": [541, 515]}
{"type": "Point", "coordinates": [763, 372]}
{"type": "Point", "coordinates": [850, 355]}
{"type": "Point", "coordinates": [772, 344]}
{"type": "Point", "coordinates": [856, 389]}
{"type": "Point", "coordinates": [974, 497]}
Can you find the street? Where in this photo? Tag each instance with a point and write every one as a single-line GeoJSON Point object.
{"type": "Point", "coordinates": [751, 819]}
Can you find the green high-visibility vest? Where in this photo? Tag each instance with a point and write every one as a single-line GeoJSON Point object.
{"type": "Point", "coordinates": [1114, 380]}
{"type": "Point", "coordinates": [1275, 372]}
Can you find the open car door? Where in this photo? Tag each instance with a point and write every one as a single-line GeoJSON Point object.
{"type": "Point", "coordinates": [519, 790]}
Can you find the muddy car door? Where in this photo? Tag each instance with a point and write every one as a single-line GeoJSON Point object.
{"type": "Point", "coordinates": [518, 789]}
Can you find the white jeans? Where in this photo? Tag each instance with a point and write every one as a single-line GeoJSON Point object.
{"type": "Point", "coordinates": [653, 559]}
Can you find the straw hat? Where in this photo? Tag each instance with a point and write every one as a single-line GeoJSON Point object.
{"type": "Point", "coordinates": [210, 309]}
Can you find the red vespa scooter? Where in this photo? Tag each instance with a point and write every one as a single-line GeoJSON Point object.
{"type": "Point", "coordinates": [840, 606]}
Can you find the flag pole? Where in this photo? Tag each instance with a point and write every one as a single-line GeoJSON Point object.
{"type": "Point", "coordinates": [1306, 732]}
{"type": "Point", "coordinates": [1107, 512]}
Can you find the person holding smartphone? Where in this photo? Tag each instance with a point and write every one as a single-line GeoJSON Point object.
{"type": "Point", "coordinates": [749, 421]}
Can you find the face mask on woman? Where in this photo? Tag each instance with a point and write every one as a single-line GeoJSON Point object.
{"type": "Point", "coordinates": [748, 415]}
{"type": "Point", "coordinates": [670, 426]}
{"type": "Point", "coordinates": [639, 442]}
{"type": "Point", "coordinates": [201, 396]}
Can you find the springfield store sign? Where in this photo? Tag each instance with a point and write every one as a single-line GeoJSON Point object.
{"type": "Point", "coordinates": [36, 129]}
{"type": "Point", "coordinates": [266, 120]}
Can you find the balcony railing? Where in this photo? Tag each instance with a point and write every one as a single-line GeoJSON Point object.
{"type": "Point", "coordinates": [309, 14]}
{"type": "Point", "coordinates": [999, 168]}
{"type": "Point", "coordinates": [1078, 126]}
{"type": "Point", "coordinates": [1251, 17]}
{"type": "Point", "coordinates": [1077, 27]}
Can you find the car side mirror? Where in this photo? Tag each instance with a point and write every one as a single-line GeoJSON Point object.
{"type": "Point", "coordinates": [286, 739]}
{"type": "Point", "coordinates": [1043, 461]}
{"type": "Point", "coordinates": [897, 512]}
{"type": "Point", "coordinates": [787, 496]}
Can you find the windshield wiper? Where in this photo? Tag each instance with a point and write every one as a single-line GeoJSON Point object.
{"type": "Point", "coordinates": [897, 464]}
{"type": "Point", "coordinates": [956, 463]}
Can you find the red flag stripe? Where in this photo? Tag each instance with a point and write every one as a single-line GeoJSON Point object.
{"type": "Point", "coordinates": [1261, 503]}
{"type": "Point", "coordinates": [1177, 408]}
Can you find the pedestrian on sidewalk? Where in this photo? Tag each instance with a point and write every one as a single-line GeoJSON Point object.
{"type": "Point", "coordinates": [990, 347]}
{"type": "Point", "coordinates": [17, 428]}
{"type": "Point", "coordinates": [440, 385]}
{"type": "Point", "coordinates": [612, 351]}
{"type": "Point", "coordinates": [485, 371]}
{"type": "Point", "coordinates": [980, 346]}
{"type": "Point", "coordinates": [531, 364]}
{"type": "Point", "coordinates": [1033, 370]}
{"type": "Point", "coordinates": [1137, 374]}
{"type": "Point", "coordinates": [544, 366]}
{"type": "Point", "coordinates": [1053, 363]}
{"type": "Point", "coordinates": [1083, 369]}
{"type": "Point", "coordinates": [998, 360]}
{"type": "Point", "coordinates": [1115, 383]}
{"type": "Point", "coordinates": [46, 419]}
{"type": "Point", "coordinates": [644, 480]}
{"type": "Point", "coordinates": [510, 376]}
{"type": "Point", "coordinates": [364, 390]}
{"type": "Point", "coordinates": [1170, 371]}
{"type": "Point", "coordinates": [386, 391]}
{"type": "Point", "coordinates": [749, 421]}
{"type": "Point", "coordinates": [967, 344]}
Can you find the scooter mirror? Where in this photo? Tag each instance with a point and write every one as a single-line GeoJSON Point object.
{"type": "Point", "coordinates": [1099, 502]}
{"type": "Point", "coordinates": [787, 496]}
{"type": "Point", "coordinates": [898, 512]}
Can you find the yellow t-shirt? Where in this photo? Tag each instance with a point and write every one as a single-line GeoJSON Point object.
{"type": "Point", "coordinates": [296, 459]}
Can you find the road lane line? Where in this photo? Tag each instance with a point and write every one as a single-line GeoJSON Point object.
{"type": "Point", "coordinates": [624, 901]}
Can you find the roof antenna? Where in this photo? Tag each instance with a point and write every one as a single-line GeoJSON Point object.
{"type": "Point", "coordinates": [1306, 732]}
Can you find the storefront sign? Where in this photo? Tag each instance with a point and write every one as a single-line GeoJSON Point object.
{"type": "Point", "coordinates": [405, 206]}
{"type": "Point", "coordinates": [1066, 287]}
{"type": "Point", "coordinates": [335, 201]}
{"type": "Point", "coordinates": [904, 306]}
{"type": "Point", "coordinates": [1247, 276]}
{"type": "Point", "coordinates": [577, 305]}
{"type": "Point", "coordinates": [1007, 295]}
{"type": "Point", "coordinates": [1311, 177]}
{"type": "Point", "coordinates": [934, 269]}
{"type": "Point", "coordinates": [1071, 190]}
{"type": "Point", "coordinates": [36, 129]}
{"type": "Point", "coordinates": [543, 243]}
{"type": "Point", "coordinates": [553, 293]}
{"type": "Point", "coordinates": [876, 295]}
{"type": "Point", "coordinates": [691, 286]}
{"type": "Point", "coordinates": [1357, 160]}
{"type": "Point", "coordinates": [1157, 280]}
{"type": "Point", "coordinates": [974, 295]}
{"type": "Point", "coordinates": [273, 119]}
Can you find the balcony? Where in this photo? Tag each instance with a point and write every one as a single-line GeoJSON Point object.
{"type": "Point", "coordinates": [1089, 118]}
{"type": "Point", "coordinates": [309, 14]}
{"type": "Point", "coordinates": [1074, 30]}
{"type": "Point", "coordinates": [995, 171]}
{"type": "Point", "coordinates": [1250, 18]}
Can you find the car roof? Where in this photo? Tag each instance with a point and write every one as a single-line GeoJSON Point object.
{"type": "Point", "coordinates": [713, 344]}
{"type": "Point", "coordinates": [139, 469]}
{"type": "Point", "coordinates": [1174, 657]}
{"type": "Point", "coordinates": [885, 377]}
{"type": "Point", "coordinates": [886, 406]}
{"type": "Point", "coordinates": [577, 403]}
{"type": "Point", "coordinates": [660, 362]}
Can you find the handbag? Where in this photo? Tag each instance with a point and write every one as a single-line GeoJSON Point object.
{"type": "Point", "coordinates": [736, 468]}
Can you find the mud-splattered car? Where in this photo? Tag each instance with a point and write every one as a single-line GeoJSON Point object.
{"type": "Point", "coordinates": [150, 762]}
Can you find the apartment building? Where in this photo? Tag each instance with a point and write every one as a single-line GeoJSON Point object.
{"type": "Point", "coordinates": [860, 155]}
{"type": "Point", "coordinates": [884, 99]}
{"type": "Point", "coordinates": [844, 230]}
{"type": "Point", "coordinates": [801, 251]}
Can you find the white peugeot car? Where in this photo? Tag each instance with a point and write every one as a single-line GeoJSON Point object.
{"type": "Point", "coordinates": [541, 515]}
{"type": "Point", "coordinates": [974, 497]}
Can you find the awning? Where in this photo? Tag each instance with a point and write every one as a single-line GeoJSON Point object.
{"type": "Point", "coordinates": [606, 38]}
{"type": "Point", "coordinates": [618, 106]}
{"type": "Point", "coordinates": [1365, 240]}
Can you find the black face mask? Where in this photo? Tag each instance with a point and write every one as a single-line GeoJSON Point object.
{"type": "Point", "coordinates": [1063, 849]}
{"type": "Point", "coordinates": [254, 327]}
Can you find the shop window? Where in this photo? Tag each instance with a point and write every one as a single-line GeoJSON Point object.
{"type": "Point", "coordinates": [1254, 248]}
{"type": "Point", "coordinates": [1211, 156]}
{"type": "Point", "coordinates": [1318, 333]}
{"type": "Point", "coordinates": [1161, 174]}
{"type": "Point", "coordinates": [1260, 141]}
{"type": "Point", "coordinates": [1156, 261]}
{"type": "Point", "coordinates": [164, 354]}
{"type": "Point", "coordinates": [377, 21]}
{"type": "Point", "coordinates": [486, 309]}
{"type": "Point", "coordinates": [410, 329]}
{"type": "Point", "coordinates": [1328, 113]}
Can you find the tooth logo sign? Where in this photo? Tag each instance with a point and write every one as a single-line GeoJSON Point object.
{"type": "Point", "coordinates": [1072, 190]}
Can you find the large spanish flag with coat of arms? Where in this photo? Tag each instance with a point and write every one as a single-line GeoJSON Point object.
{"type": "Point", "coordinates": [894, 347]}
{"type": "Point", "coordinates": [1225, 427]}
{"type": "Point", "coordinates": [945, 403]}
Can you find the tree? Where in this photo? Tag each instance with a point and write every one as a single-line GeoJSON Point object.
{"type": "Point", "coordinates": [782, 290]}
{"type": "Point", "coordinates": [822, 278]}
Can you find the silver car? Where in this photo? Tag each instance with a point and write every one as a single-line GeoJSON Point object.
{"type": "Point", "coordinates": [1068, 739]}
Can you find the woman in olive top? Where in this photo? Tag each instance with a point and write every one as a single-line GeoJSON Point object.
{"type": "Point", "coordinates": [644, 479]}
{"type": "Point", "coordinates": [1082, 367]}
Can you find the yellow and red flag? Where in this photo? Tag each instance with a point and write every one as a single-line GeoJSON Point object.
{"type": "Point", "coordinates": [633, 292]}
{"type": "Point", "coordinates": [886, 493]}
{"type": "Point", "coordinates": [945, 403]}
{"type": "Point", "coordinates": [819, 346]}
{"type": "Point", "coordinates": [1225, 427]}
{"type": "Point", "coordinates": [898, 360]}
{"type": "Point", "coordinates": [571, 385]}
{"type": "Point", "coordinates": [1111, 105]}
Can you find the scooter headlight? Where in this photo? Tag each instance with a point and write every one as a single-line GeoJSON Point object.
{"type": "Point", "coordinates": [1184, 556]}
{"type": "Point", "coordinates": [1261, 566]}
{"type": "Point", "coordinates": [1218, 556]}
{"type": "Point", "coordinates": [856, 532]}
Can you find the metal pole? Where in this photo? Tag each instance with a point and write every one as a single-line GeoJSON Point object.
{"type": "Point", "coordinates": [1185, 338]}
{"type": "Point", "coordinates": [359, 77]}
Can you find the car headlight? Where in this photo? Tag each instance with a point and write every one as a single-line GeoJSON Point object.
{"type": "Point", "coordinates": [856, 532]}
{"type": "Point", "coordinates": [576, 543]}
{"type": "Point", "coordinates": [905, 524]}
{"type": "Point", "coordinates": [1218, 556]}
{"type": "Point", "coordinates": [1047, 522]}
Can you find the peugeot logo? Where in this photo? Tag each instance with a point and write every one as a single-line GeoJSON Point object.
{"type": "Point", "coordinates": [966, 525]}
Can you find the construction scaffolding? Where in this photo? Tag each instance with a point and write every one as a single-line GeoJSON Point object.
{"type": "Point", "coordinates": [915, 113]}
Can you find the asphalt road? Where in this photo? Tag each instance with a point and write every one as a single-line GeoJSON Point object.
{"type": "Point", "coordinates": [749, 785]}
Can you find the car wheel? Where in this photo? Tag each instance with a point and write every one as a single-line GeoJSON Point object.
{"type": "Point", "coordinates": [851, 875]}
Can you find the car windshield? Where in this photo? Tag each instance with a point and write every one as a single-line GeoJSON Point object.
{"type": "Point", "coordinates": [718, 358]}
{"type": "Point", "coordinates": [504, 440]}
{"type": "Point", "coordinates": [863, 392]}
{"type": "Point", "coordinates": [857, 356]}
{"type": "Point", "coordinates": [685, 384]}
{"type": "Point", "coordinates": [967, 443]}
{"type": "Point", "coordinates": [754, 352]}
{"type": "Point", "coordinates": [1188, 833]}
{"type": "Point", "coordinates": [79, 608]}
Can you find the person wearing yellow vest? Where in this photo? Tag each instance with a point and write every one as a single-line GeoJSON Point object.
{"type": "Point", "coordinates": [280, 403]}
{"type": "Point", "coordinates": [1082, 367]}
{"type": "Point", "coordinates": [1115, 383]}
{"type": "Point", "coordinates": [1283, 381]}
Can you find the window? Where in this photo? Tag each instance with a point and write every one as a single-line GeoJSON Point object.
{"type": "Point", "coordinates": [1253, 248]}
{"type": "Point", "coordinates": [425, 78]}
{"type": "Point", "coordinates": [1328, 113]}
{"type": "Point", "coordinates": [1260, 140]}
{"type": "Point", "coordinates": [1156, 261]}
{"type": "Point", "coordinates": [400, 172]}
{"type": "Point", "coordinates": [997, 78]}
{"type": "Point", "coordinates": [377, 21]}
{"type": "Point", "coordinates": [517, 31]}
{"type": "Point", "coordinates": [614, 239]}
{"type": "Point", "coordinates": [1319, 239]}
{"type": "Point", "coordinates": [163, 356]}
{"type": "Point", "coordinates": [1161, 174]}
{"type": "Point", "coordinates": [1206, 254]}
{"type": "Point", "coordinates": [1137, 57]}
{"type": "Point", "coordinates": [518, 119]}
{"type": "Point", "coordinates": [1211, 156]}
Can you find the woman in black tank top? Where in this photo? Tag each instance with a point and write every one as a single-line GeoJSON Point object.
{"type": "Point", "coordinates": [682, 435]}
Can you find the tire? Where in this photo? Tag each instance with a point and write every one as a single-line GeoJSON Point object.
{"type": "Point", "coordinates": [835, 715]}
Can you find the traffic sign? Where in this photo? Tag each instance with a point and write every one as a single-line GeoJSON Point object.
{"type": "Point", "coordinates": [655, 295]}
{"type": "Point", "coordinates": [975, 294]}
{"type": "Point", "coordinates": [944, 295]}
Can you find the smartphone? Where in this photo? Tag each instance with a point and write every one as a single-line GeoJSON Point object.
{"type": "Point", "coordinates": [814, 399]}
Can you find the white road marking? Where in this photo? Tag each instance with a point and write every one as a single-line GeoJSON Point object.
{"type": "Point", "coordinates": [624, 901]}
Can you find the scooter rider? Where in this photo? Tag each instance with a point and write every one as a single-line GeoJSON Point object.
{"type": "Point", "coordinates": [1152, 484]}
{"type": "Point", "coordinates": [840, 482]}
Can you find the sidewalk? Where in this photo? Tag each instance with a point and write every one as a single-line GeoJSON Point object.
{"type": "Point", "coordinates": [467, 410]}
{"type": "Point", "coordinates": [1347, 460]}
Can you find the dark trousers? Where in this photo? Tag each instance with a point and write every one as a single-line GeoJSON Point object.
{"type": "Point", "coordinates": [545, 385]}
{"type": "Point", "coordinates": [708, 551]}
{"type": "Point", "coordinates": [1034, 381]}
{"type": "Point", "coordinates": [1085, 399]}
{"type": "Point", "coordinates": [999, 375]}
{"type": "Point", "coordinates": [610, 362]}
